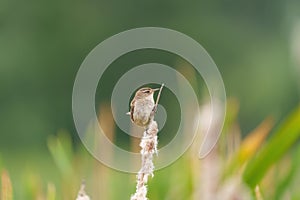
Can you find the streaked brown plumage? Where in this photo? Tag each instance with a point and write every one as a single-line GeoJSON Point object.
{"type": "Point", "coordinates": [142, 106]}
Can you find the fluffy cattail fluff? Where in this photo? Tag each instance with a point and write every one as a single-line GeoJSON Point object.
{"type": "Point", "coordinates": [149, 147]}
{"type": "Point", "coordinates": [81, 194]}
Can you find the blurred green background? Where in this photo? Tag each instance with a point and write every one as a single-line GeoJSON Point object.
{"type": "Point", "coordinates": [255, 45]}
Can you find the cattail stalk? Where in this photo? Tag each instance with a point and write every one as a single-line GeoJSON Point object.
{"type": "Point", "coordinates": [149, 147]}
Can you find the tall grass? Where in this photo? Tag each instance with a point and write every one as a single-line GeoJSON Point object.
{"type": "Point", "coordinates": [263, 165]}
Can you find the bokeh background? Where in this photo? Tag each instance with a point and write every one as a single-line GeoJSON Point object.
{"type": "Point", "coordinates": [256, 46]}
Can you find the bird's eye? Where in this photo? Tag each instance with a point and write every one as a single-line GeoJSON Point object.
{"type": "Point", "coordinates": [147, 91]}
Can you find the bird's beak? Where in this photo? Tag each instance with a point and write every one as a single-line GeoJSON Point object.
{"type": "Point", "coordinates": [156, 89]}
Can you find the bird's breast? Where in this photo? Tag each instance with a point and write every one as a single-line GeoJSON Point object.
{"type": "Point", "coordinates": [142, 111]}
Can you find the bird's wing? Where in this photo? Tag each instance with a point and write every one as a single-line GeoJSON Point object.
{"type": "Point", "coordinates": [132, 109]}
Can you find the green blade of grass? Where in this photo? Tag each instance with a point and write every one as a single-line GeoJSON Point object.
{"type": "Point", "coordinates": [248, 147]}
{"type": "Point", "coordinates": [286, 135]}
{"type": "Point", "coordinates": [60, 149]}
{"type": "Point", "coordinates": [0, 163]}
{"type": "Point", "coordinates": [284, 184]}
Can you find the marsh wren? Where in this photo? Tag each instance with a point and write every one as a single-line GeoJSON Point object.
{"type": "Point", "coordinates": [142, 106]}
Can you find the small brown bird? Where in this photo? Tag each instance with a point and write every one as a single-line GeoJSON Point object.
{"type": "Point", "coordinates": [142, 106]}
